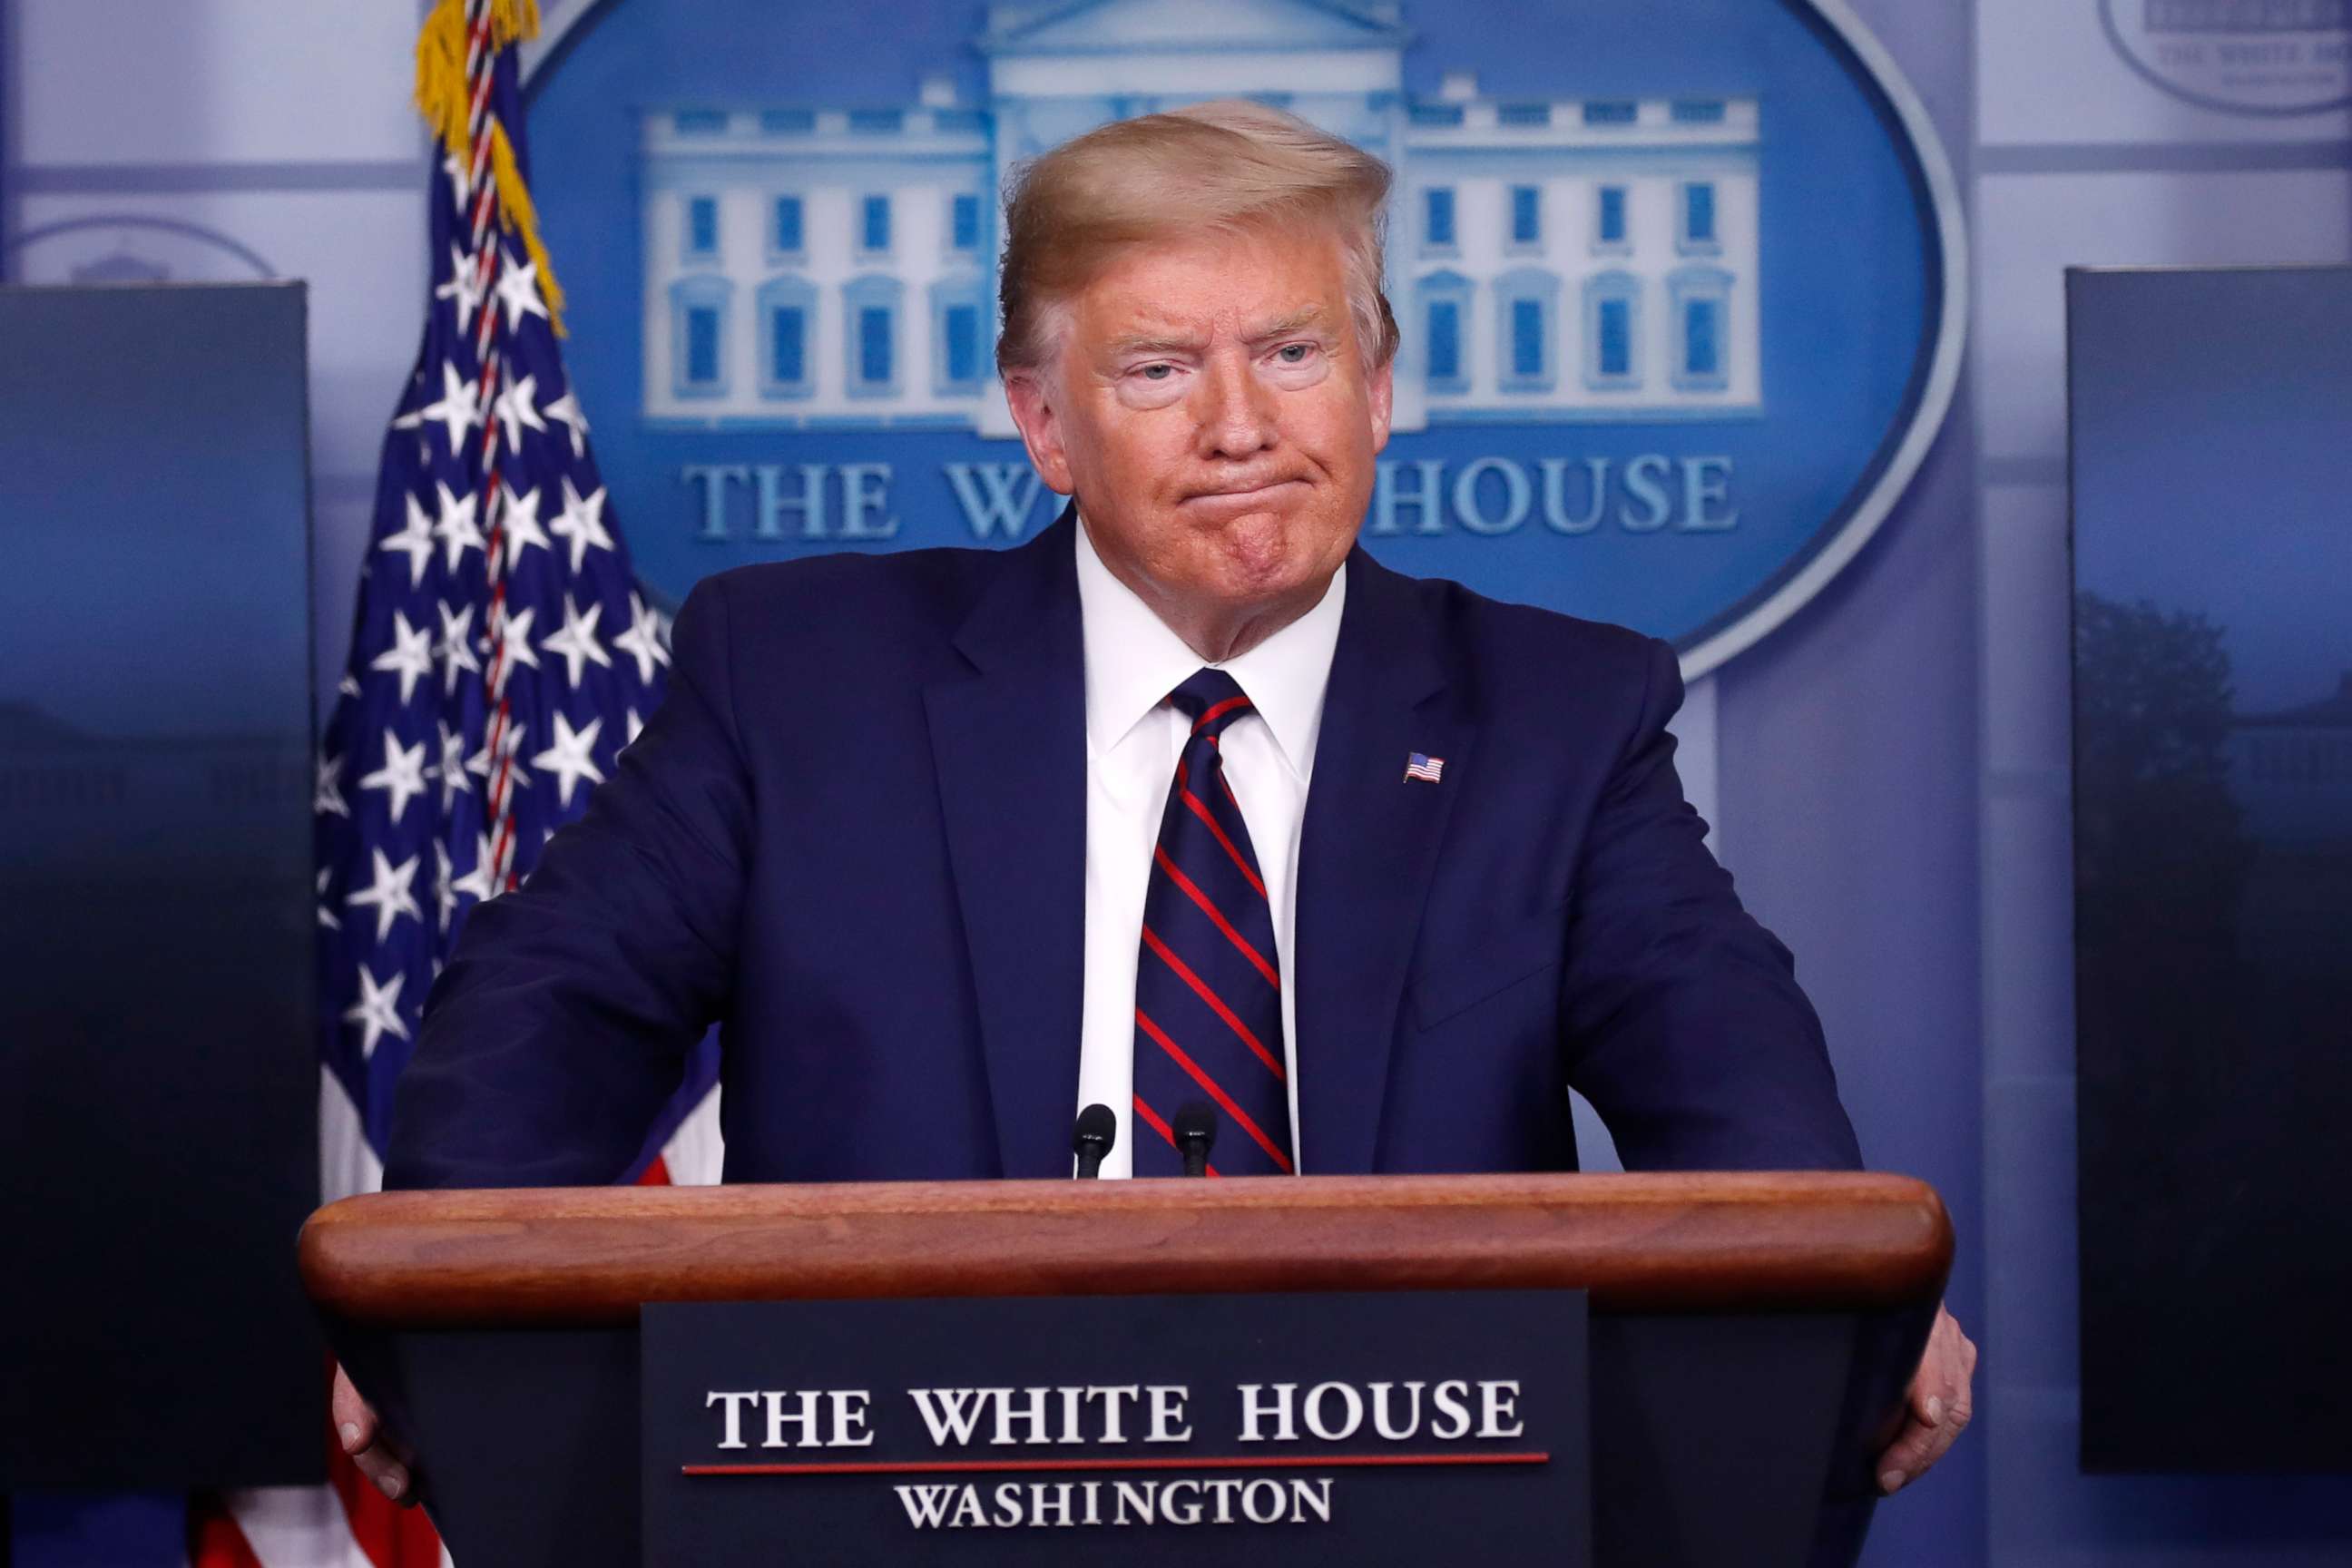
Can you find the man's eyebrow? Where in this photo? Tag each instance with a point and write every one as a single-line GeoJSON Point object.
{"type": "Point", "coordinates": [1149, 342]}
{"type": "Point", "coordinates": [1297, 322]}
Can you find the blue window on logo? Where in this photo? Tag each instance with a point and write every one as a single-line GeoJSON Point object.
{"type": "Point", "coordinates": [787, 121]}
{"type": "Point", "coordinates": [702, 345]}
{"type": "Point", "coordinates": [1612, 111]}
{"type": "Point", "coordinates": [1698, 112]}
{"type": "Point", "coordinates": [964, 222]}
{"type": "Point", "coordinates": [1436, 114]}
{"type": "Point", "coordinates": [701, 225]}
{"type": "Point", "coordinates": [1526, 338]}
{"type": "Point", "coordinates": [1702, 336]}
{"type": "Point", "coordinates": [1616, 337]}
{"type": "Point", "coordinates": [963, 343]}
{"type": "Point", "coordinates": [1445, 341]}
{"type": "Point", "coordinates": [1523, 115]}
{"type": "Point", "coordinates": [1527, 214]}
{"type": "Point", "coordinates": [702, 121]}
{"type": "Point", "coordinates": [1612, 226]}
{"type": "Point", "coordinates": [874, 344]}
{"type": "Point", "coordinates": [1699, 213]}
{"type": "Point", "coordinates": [1438, 209]}
{"type": "Point", "coordinates": [787, 345]}
{"type": "Point", "coordinates": [875, 235]}
{"type": "Point", "coordinates": [877, 119]}
{"type": "Point", "coordinates": [788, 224]}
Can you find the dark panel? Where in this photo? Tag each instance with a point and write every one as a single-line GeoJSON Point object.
{"type": "Point", "coordinates": [158, 1074]}
{"type": "Point", "coordinates": [2213, 862]}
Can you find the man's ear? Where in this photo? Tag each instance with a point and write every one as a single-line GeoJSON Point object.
{"type": "Point", "coordinates": [1383, 400]}
{"type": "Point", "coordinates": [1033, 412]}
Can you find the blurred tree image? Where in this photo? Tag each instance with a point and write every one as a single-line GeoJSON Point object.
{"type": "Point", "coordinates": [2159, 849]}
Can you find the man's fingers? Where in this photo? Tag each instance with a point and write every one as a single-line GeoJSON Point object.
{"type": "Point", "coordinates": [365, 1440]}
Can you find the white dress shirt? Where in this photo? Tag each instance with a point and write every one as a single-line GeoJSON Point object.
{"type": "Point", "coordinates": [1133, 739]}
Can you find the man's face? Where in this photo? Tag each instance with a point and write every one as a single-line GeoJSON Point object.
{"type": "Point", "coordinates": [1215, 417]}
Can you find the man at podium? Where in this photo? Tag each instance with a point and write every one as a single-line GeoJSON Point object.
{"type": "Point", "coordinates": [1188, 808]}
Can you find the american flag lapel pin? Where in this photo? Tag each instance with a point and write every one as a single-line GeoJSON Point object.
{"type": "Point", "coordinates": [1428, 770]}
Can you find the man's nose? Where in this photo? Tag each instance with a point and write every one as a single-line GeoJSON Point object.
{"type": "Point", "coordinates": [1234, 409]}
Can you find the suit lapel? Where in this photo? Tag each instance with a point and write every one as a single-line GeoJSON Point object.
{"type": "Point", "coordinates": [1368, 850]}
{"type": "Point", "coordinates": [1009, 742]}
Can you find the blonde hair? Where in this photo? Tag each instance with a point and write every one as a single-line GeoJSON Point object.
{"type": "Point", "coordinates": [1226, 167]}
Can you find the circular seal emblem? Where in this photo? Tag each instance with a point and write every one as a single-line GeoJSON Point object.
{"type": "Point", "coordinates": [1681, 281]}
{"type": "Point", "coordinates": [2240, 57]}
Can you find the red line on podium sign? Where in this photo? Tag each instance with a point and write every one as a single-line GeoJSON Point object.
{"type": "Point", "coordinates": [968, 1467]}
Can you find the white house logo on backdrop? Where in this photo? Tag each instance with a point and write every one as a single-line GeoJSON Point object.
{"type": "Point", "coordinates": [1559, 259]}
{"type": "Point", "coordinates": [2243, 56]}
{"type": "Point", "coordinates": [1678, 280]}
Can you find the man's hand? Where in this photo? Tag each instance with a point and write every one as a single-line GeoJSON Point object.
{"type": "Point", "coordinates": [1937, 1408]}
{"type": "Point", "coordinates": [368, 1445]}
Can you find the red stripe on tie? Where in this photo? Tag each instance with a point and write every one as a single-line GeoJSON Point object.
{"type": "Point", "coordinates": [1192, 1067]}
{"type": "Point", "coordinates": [1218, 711]}
{"type": "Point", "coordinates": [1209, 910]}
{"type": "Point", "coordinates": [1164, 1131]}
{"type": "Point", "coordinates": [1193, 803]}
{"type": "Point", "coordinates": [1216, 1003]}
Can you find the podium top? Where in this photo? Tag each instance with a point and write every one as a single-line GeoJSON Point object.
{"type": "Point", "coordinates": [586, 1256]}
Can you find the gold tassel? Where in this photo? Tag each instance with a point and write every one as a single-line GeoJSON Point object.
{"type": "Point", "coordinates": [441, 73]}
{"type": "Point", "coordinates": [441, 61]}
{"type": "Point", "coordinates": [518, 216]}
{"type": "Point", "coordinates": [442, 99]}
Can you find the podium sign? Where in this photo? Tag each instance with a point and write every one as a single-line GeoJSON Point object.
{"type": "Point", "coordinates": [1398, 1428]}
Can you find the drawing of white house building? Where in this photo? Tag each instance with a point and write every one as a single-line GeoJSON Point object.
{"type": "Point", "coordinates": [1549, 258]}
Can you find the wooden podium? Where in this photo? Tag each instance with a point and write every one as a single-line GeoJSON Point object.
{"type": "Point", "coordinates": [1751, 1338]}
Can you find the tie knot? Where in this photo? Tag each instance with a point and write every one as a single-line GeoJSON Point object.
{"type": "Point", "coordinates": [1211, 700]}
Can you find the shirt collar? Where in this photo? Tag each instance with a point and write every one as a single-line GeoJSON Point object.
{"type": "Point", "coordinates": [1134, 661]}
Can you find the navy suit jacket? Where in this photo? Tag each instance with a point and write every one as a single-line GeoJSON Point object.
{"type": "Point", "coordinates": [854, 834]}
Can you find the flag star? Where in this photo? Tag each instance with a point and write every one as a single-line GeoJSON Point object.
{"type": "Point", "coordinates": [464, 290]}
{"type": "Point", "coordinates": [461, 178]}
{"type": "Point", "coordinates": [568, 758]}
{"type": "Point", "coordinates": [636, 727]}
{"type": "Point", "coordinates": [416, 541]}
{"type": "Point", "coordinates": [567, 409]}
{"type": "Point", "coordinates": [327, 917]}
{"type": "Point", "coordinates": [581, 523]}
{"type": "Point", "coordinates": [454, 650]}
{"type": "Point", "coordinates": [328, 797]}
{"type": "Point", "coordinates": [518, 290]}
{"type": "Point", "coordinates": [457, 528]}
{"type": "Point", "coordinates": [642, 642]}
{"type": "Point", "coordinates": [402, 775]}
{"type": "Point", "coordinates": [445, 891]}
{"type": "Point", "coordinates": [577, 641]}
{"type": "Point", "coordinates": [518, 518]}
{"type": "Point", "coordinates": [388, 894]}
{"type": "Point", "coordinates": [377, 1012]}
{"type": "Point", "coordinates": [459, 406]}
{"type": "Point", "coordinates": [451, 769]}
{"type": "Point", "coordinates": [514, 648]}
{"type": "Point", "coordinates": [516, 411]}
{"type": "Point", "coordinates": [349, 685]}
{"type": "Point", "coordinates": [411, 654]}
{"type": "Point", "coordinates": [481, 882]}
{"type": "Point", "coordinates": [509, 744]}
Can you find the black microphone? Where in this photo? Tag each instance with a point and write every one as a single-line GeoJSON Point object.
{"type": "Point", "coordinates": [1196, 1134]}
{"type": "Point", "coordinates": [1097, 1130]}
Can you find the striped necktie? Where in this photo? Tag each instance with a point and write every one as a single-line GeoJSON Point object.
{"type": "Point", "coordinates": [1208, 996]}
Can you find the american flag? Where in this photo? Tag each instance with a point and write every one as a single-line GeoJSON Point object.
{"type": "Point", "coordinates": [501, 656]}
{"type": "Point", "coordinates": [1429, 770]}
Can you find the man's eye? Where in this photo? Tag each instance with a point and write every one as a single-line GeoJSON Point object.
{"type": "Point", "coordinates": [1295, 354]}
{"type": "Point", "coordinates": [1158, 372]}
